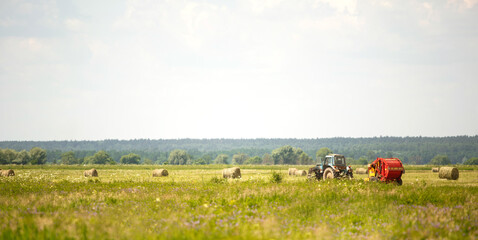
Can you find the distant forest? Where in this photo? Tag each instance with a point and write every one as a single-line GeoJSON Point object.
{"type": "Point", "coordinates": [411, 150]}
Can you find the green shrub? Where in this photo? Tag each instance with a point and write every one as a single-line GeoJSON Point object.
{"type": "Point", "coordinates": [218, 180]}
{"type": "Point", "coordinates": [471, 161]}
{"type": "Point", "coordinates": [276, 177]}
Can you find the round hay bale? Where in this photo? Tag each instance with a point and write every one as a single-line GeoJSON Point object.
{"type": "Point", "coordinates": [7, 173]}
{"type": "Point", "coordinates": [160, 173]}
{"type": "Point", "coordinates": [91, 173]}
{"type": "Point", "coordinates": [234, 172]}
{"type": "Point", "coordinates": [300, 173]}
{"type": "Point", "coordinates": [361, 171]}
{"type": "Point", "coordinates": [450, 173]}
{"type": "Point", "coordinates": [292, 171]}
{"type": "Point", "coordinates": [435, 169]}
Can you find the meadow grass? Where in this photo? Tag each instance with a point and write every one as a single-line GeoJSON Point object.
{"type": "Point", "coordinates": [194, 202]}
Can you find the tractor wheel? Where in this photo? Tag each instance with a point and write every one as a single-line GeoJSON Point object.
{"type": "Point", "coordinates": [399, 182]}
{"type": "Point", "coordinates": [328, 174]}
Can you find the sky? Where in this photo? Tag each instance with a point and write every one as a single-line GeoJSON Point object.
{"type": "Point", "coordinates": [93, 70]}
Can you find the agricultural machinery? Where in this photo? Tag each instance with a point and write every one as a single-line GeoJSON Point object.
{"type": "Point", "coordinates": [386, 170]}
{"type": "Point", "coordinates": [332, 166]}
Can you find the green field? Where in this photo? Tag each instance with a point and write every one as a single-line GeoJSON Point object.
{"type": "Point", "coordinates": [125, 202]}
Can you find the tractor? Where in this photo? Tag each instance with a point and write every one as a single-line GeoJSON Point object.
{"type": "Point", "coordinates": [332, 166]}
{"type": "Point", "coordinates": [386, 170]}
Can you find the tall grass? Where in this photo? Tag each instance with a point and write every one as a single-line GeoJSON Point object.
{"type": "Point", "coordinates": [195, 203]}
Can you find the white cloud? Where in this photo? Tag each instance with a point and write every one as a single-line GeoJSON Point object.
{"type": "Point", "coordinates": [6, 22]}
{"type": "Point", "coordinates": [202, 23]}
{"type": "Point", "coordinates": [73, 24]}
{"type": "Point", "coordinates": [470, 3]}
{"type": "Point", "coordinates": [342, 23]}
{"type": "Point", "coordinates": [429, 12]}
{"type": "Point", "coordinates": [16, 50]}
{"type": "Point", "coordinates": [259, 6]}
{"type": "Point", "coordinates": [463, 4]}
{"type": "Point", "coordinates": [192, 23]}
{"type": "Point", "coordinates": [238, 69]}
{"type": "Point", "coordinates": [342, 6]}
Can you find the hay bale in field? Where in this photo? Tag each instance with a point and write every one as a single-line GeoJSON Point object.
{"type": "Point", "coordinates": [361, 171]}
{"type": "Point", "coordinates": [435, 169]}
{"type": "Point", "coordinates": [7, 173]}
{"type": "Point", "coordinates": [300, 173]}
{"type": "Point", "coordinates": [160, 173]}
{"type": "Point", "coordinates": [91, 173]}
{"type": "Point", "coordinates": [292, 171]}
{"type": "Point", "coordinates": [450, 173]}
{"type": "Point", "coordinates": [234, 172]}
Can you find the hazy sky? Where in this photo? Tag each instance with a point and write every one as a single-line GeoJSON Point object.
{"type": "Point", "coordinates": [74, 70]}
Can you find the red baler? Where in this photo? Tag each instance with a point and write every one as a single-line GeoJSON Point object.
{"type": "Point", "coordinates": [386, 170]}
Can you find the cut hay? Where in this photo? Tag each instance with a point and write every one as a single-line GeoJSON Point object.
{"type": "Point", "coordinates": [450, 173]}
{"type": "Point", "coordinates": [91, 173]}
{"type": "Point", "coordinates": [7, 173]}
{"type": "Point", "coordinates": [234, 172]}
{"type": "Point", "coordinates": [292, 171]}
{"type": "Point", "coordinates": [435, 169]}
{"type": "Point", "coordinates": [300, 173]}
{"type": "Point", "coordinates": [361, 171]}
{"type": "Point", "coordinates": [160, 173]}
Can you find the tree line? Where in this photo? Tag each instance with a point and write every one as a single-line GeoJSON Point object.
{"type": "Point", "coordinates": [411, 150]}
{"type": "Point", "coordinates": [37, 156]}
{"type": "Point", "coordinates": [285, 155]}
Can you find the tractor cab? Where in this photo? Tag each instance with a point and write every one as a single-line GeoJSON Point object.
{"type": "Point", "coordinates": [334, 160]}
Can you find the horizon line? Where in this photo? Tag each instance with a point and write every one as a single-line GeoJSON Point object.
{"type": "Point", "coordinates": [260, 138]}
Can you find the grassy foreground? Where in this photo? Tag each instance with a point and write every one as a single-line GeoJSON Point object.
{"type": "Point", "coordinates": [125, 202]}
